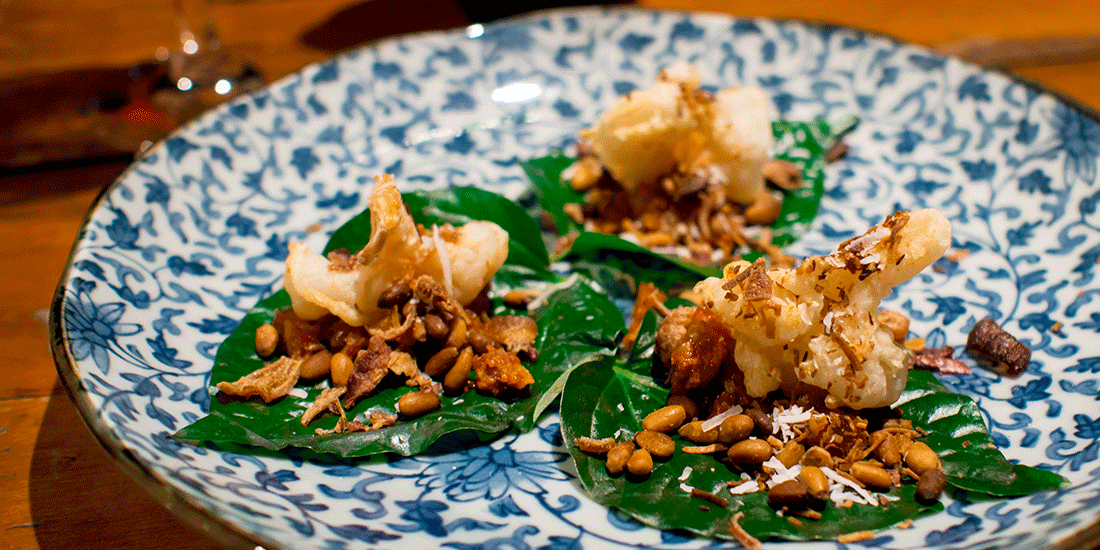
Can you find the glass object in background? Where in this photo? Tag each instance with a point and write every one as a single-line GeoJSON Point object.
{"type": "Point", "coordinates": [201, 70]}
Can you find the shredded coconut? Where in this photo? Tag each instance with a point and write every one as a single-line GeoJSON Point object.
{"type": "Point", "coordinates": [867, 239]}
{"type": "Point", "coordinates": [744, 488]}
{"type": "Point", "coordinates": [780, 472]}
{"type": "Point", "coordinates": [716, 420]}
{"type": "Point", "coordinates": [784, 419]}
{"type": "Point", "coordinates": [537, 301]}
{"type": "Point", "coordinates": [685, 474]}
{"type": "Point", "coordinates": [300, 393]}
{"type": "Point", "coordinates": [837, 491]}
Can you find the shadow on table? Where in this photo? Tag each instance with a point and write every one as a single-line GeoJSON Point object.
{"type": "Point", "coordinates": [79, 499]}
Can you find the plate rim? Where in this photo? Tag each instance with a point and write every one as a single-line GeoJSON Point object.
{"type": "Point", "coordinates": [225, 533]}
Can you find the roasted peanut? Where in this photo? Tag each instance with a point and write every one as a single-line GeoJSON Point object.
{"type": "Point", "coordinates": [750, 453]}
{"type": "Point", "coordinates": [517, 299]}
{"type": "Point", "coordinates": [693, 431]}
{"type": "Point", "coordinates": [618, 456]}
{"type": "Point", "coordinates": [735, 428]}
{"type": "Point", "coordinates": [815, 479]}
{"type": "Point", "coordinates": [930, 485]}
{"type": "Point", "coordinates": [921, 458]}
{"type": "Point", "coordinates": [397, 294]}
{"type": "Point", "coordinates": [665, 419]}
{"type": "Point", "coordinates": [691, 409]}
{"type": "Point", "coordinates": [416, 403]}
{"type": "Point", "coordinates": [898, 323]}
{"type": "Point", "coordinates": [586, 172]}
{"type": "Point", "coordinates": [435, 326]}
{"type": "Point", "coordinates": [871, 475]}
{"type": "Point", "coordinates": [457, 337]}
{"type": "Point", "coordinates": [441, 362]}
{"type": "Point", "coordinates": [480, 340]}
{"type": "Point", "coordinates": [657, 443]}
{"type": "Point", "coordinates": [764, 210]}
{"type": "Point", "coordinates": [640, 463]}
{"type": "Point", "coordinates": [267, 339]}
{"type": "Point", "coordinates": [790, 454]}
{"type": "Point", "coordinates": [456, 378]}
{"type": "Point", "coordinates": [793, 494]}
{"type": "Point", "coordinates": [816, 456]}
{"type": "Point", "coordinates": [340, 367]}
{"type": "Point", "coordinates": [574, 211]}
{"type": "Point", "coordinates": [316, 365]}
{"type": "Point", "coordinates": [783, 174]}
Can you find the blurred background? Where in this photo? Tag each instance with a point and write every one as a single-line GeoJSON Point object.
{"type": "Point", "coordinates": [98, 78]}
{"type": "Point", "coordinates": [86, 84]}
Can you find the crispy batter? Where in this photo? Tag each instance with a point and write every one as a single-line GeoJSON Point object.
{"type": "Point", "coordinates": [403, 364]}
{"type": "Point", "coordinates": [378, 420]}
{"type": "Point", "coordinates": [395, 329]}
{"type": "Point", "coordinates": [516, 332]}
{"type": "Point", "coordinates": [816, 326]}
{"type": "Point", "coordinates": [270, 382]}
{"type": "Point", "coordinates": [498, 371]}
{"type": "Point", "coordinates": [328, 399]}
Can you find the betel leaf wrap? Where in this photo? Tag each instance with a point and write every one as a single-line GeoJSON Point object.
{"type": "Point", "coordinates": [569, 333]}
{"type": "Point", "coordinates": [609, 397]}
{"type": "Point", "coordinates": [619, 265]}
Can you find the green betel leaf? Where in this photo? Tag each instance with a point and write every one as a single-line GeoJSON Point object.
{"type": "Point", "coordinates": [552, 192]}
{"type": "Point", "coordinates": [805, 145]}
{"type": "Point", "coordinates": [577, 323]}
{"type": "Point", "coordinates": [958, 434]}
{"type": "Point", "coordinates": [619, 265]}
{"type": "Point", "coordinates": [610, 396]}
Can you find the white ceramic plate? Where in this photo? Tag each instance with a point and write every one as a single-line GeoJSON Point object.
{"type": "Point", "coordinates": [176, 251]}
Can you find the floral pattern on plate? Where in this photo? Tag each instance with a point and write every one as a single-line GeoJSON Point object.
{"type": "Point", "coordinates": [195, 232]}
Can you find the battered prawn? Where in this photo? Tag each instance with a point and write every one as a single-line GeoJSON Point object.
{"type": "Point", "coordinates": [672, 125]}
{"type": "Point", "coordinates": [349, 285]}
{"type": "Point", "coordinates": [817, 324]}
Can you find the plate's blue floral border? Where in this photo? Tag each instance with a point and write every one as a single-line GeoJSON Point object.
{"type": "Point", "coordinates": [196, 231]}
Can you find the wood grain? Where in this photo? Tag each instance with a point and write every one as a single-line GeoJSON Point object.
{"type": "Point", "coordinates": [62, 491]}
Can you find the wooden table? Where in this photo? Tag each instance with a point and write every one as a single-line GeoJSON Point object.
{"type": "Point", "coordinates": [59, 489]}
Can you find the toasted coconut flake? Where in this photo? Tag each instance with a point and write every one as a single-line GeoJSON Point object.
{"type": "Point", "coordinates": [741, 536]}
{"type": "Point", "coordinates": [270, 382]}
{"type": "Point", "coordinates": [849, 538]}
{"type": "Point", "coordinates": [704, 449]}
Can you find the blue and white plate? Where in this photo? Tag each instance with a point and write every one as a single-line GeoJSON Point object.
{"type": "Point", "coordinates": [194, 233]}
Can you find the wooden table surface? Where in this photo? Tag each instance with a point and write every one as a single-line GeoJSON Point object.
{"type": "Point", "coordinates": [61, 490]}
